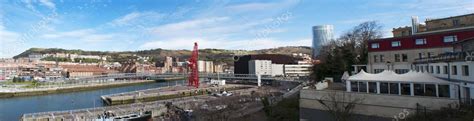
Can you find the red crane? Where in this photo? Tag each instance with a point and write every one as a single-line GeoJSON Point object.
{"type": "Point", "coordinates": [193, 79]}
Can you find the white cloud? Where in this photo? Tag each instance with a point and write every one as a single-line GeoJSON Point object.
{"type": "Point", "coordinates": [48, 4]}
{"type": "Point", "coordinates": [31, 4]}
{"type": "Point", "coordinates": [9, 44]}
{"type": "Point", "coordinates": [187, 43]}
{"type": "Point", "coordinates": [259, 6]}
{"type": "Point", "coordinates": [135, 18]}
{"type": "Point", "coordinates": [86, 35]}
{"type": "Point", "coordinates": [192, 27]}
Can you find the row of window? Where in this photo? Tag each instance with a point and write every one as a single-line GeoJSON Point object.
{"type": "Point", "coordinates": [454, 69]}
{"type": "Point", "coordinates": [397, 57]}
{"type": "Point", "coordinates": [420, 41]}
{"type": "Point", "coordinates": [379, 58]}
{"type": "Point", "coordinates": [398, 71]}
{"type": "Point", "coordinates": [401, 88]}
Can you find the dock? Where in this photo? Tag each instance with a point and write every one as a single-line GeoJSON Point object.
{"type": "Point", "coordinates": [163, 93]}
{"type": "Point", "coordinates": [156, 108]}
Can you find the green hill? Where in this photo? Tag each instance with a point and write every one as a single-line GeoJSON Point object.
{"type": "Point", "coordinates": [219, 55]}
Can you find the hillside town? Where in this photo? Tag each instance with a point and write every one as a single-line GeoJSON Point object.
{"type": "Point", "coordinates": [46, 67]}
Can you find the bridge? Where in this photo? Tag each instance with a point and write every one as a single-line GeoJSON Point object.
{"type": "Point", "coordinates": [250, 77]}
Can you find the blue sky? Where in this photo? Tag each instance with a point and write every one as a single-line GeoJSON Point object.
{"type": "Point", "coordinates": [117, 25]}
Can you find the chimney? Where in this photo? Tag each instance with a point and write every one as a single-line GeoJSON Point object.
{"type": "Point", "coordinates": [414, 25]}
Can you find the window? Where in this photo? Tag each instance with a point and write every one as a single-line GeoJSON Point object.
{"type": "Point", "coordinates": [384, 88]}
{"type": "Point", "coordinates": [394, 88]}
{"type": "Point", "coordinates": [375, 45]}
{"type": "Point", "coordinates": [382, 58]}
{"type": "Point", "coordinates": [465, 70]}
{"type": "Point", "coordinates": [378, 70]}
{"type": "Point", "coordinates": [372, 87]}
{"type": "Point", "coordinates": [454, 70]}
{"type": "Point", "coordinates": [429, 54]}
{"type": "Point", "coordinates": [430, 90]}
{"type": "Point", "coordinates": [405, 89]}
{"type": "Point", "coordinates": [401, 71]}
{"type": "Point", "coordinates": [438, 70]}
{"type": "Point", "coordinates": [420, 55]}
{"type": "Point", "coordinates": [375, 58]}
{"type": "Point", "coordinates": [431, 69]}
{"type": "Point", "coordinates": [397, 57]}
{"type": "Point", "coordinates": [396, 44]}
{"type": "Point", "coordinates": [354, 87]}
{"type": "Point", "coordinates": [404, 57]}
{"type": "Point", "coordinates": [443, 91]}
{"type": "Point", "coordinates": [419, 89]}
{"type": "Point", "coordinates": [445, 68]}
{"type": "Point", "coordinates": [450, 38]}
{"type": "Point", "coordinates": [456, 22]}
{"type": "Point", "coordinates": [420, 41]}
{"type": "Point", "coordinates": [426, 69]}
{"type": "Point", "coordinates": [363, 87]}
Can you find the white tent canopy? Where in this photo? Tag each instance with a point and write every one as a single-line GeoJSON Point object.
{"type": "Point", "coordinates": [390, 76]}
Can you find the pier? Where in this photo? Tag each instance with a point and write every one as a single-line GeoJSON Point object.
{"type": "Point", "coordinates": [156, 108]}
{"type": "Point", "coordinates": [166, 93]}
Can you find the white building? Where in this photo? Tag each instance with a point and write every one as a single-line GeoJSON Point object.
{"type": "Point", "coordinates": [205, 66]}
{"type": "Point", "coordinates": [410, 84]}
{"type": "Point", "coordinates": [297, 70]}
{"type": "Point", "coordinates": [260, 67]}
{"type": "Point", "coordinates": [278, 70]}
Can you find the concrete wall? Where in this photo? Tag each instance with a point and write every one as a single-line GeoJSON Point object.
{"type": "Point", "coordinates": [386, 106]}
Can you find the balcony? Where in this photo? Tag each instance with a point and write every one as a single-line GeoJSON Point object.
{"type": "Point", "coordinates": [445, 57]}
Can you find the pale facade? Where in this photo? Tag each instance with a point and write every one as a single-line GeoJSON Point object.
{"type": "Point", "coordinates": [401, 61]}
{"type": "Point", "coordinates": [260, 67]}
{"type": "Point", "coordinates": [297, 70]}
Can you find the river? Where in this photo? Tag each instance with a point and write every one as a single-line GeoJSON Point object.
{"type": "Point", "coordinates": [11, 109]}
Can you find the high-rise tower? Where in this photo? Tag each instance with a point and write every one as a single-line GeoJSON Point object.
{"type": "Point", "coordinates": [321, 35]}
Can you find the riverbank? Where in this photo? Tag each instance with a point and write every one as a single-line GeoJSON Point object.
{"type": "Point", "coordinates": [45, 91]}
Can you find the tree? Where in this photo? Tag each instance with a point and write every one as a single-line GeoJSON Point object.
{"type": "Point", "coordinates": [350, 48]}
{"type": "Point", "coordinates": [340, 105]}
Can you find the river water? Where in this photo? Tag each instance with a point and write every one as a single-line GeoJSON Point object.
{"type": "Point", "coordinates": [11, 109]}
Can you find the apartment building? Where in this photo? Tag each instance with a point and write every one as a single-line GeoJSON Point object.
{"type": "Point", "coordinates": [398, 53]}
{"type": "Point", "coordinates": [454, 66]}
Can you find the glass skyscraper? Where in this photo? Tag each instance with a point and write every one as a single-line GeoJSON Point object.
{"type": "Point", "coordinates": [321, 35]}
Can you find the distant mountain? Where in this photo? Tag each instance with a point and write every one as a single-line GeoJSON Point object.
{"type": "Point", "coordinates": [220, 55]}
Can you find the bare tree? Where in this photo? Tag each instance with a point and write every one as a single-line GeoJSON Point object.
{"type": "Point", "coordinates": [339, 105]}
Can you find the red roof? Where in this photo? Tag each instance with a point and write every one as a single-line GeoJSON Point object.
{"type": "Point", "coordinates": [433, 40]}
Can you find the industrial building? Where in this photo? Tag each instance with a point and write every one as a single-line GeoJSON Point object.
{"type": "Point", "coordinates": [260, 67]}
{"type": "Point", "coordinates": [241, 63]}
{"type": "Point", "coordinates": [272, 65]}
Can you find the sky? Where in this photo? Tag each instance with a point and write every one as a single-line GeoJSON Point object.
{"type": "Point", "coordinates": [129, 25]}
